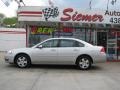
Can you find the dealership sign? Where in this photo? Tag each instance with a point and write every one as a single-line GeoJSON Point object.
{"type": "Point", "coordinates": [56, 14]}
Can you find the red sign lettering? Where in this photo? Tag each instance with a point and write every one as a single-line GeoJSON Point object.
{"type": "Point", "coordinates": [68, 30]}
{"type": "Point", "coordinates": [79, 16]}
{"type": "Point", "coordinates": [68, 17]}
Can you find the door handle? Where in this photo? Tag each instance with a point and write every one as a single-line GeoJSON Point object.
{"type": "Point", "coordinates": [53, 50]}
{"type": "Point", "coordinates": [75, 50]}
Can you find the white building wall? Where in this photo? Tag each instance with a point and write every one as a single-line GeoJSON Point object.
{"type": "Point", "coordinates": [12, 38]}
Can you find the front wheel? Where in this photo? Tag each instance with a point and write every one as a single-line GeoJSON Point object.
{"type": "Point", "coordinates": [22, 61]}
{"type": "Point", "coordinates": [84, 62]}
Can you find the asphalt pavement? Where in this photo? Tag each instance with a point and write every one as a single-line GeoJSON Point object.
{"type": "Point", "coordinates": [102, 76]}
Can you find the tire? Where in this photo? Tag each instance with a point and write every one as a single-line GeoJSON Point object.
{"type": "Point", "coordinates": [84, 62]}
{"type": "Point", "coordinates": [22, 61]}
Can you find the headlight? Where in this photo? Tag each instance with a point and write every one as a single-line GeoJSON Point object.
{"type": "Point", "coordinates": [9, 52]}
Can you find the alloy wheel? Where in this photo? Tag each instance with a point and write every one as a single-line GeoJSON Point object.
{"type": "Point", "coordinates": [84, 63]}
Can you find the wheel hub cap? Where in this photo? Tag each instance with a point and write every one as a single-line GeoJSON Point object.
{"type": "Point", "coordinates": [84, 63]}
{"type": "Point", "coordinates": [22, 61]}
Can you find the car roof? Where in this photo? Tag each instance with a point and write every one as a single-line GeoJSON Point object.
{"type": "Point", "coordinates": [65, 38]}
{"type": "Point", "coordinates": [68, 39]}
{"type": "Point", "coordinates": [85, 43]}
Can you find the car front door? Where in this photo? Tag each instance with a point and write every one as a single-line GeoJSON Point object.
{"type": "Point", "coordinates": [46, 52]}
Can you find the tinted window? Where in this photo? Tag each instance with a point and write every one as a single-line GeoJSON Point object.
{"type": "Point", "coordinates": [50, 43]}
{"type": "Point", "coordinates": [70, 43]}
{"type": "Point", "coordinates": [78, 44]}
{"type": "Point", "coordinates": [67, 43]}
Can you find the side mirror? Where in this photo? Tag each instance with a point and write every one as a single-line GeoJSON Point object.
{"type": "Point", "coordinates": [40, 46]}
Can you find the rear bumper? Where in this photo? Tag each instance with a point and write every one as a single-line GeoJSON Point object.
{"type": "Point", "coordinates": [100, 58]}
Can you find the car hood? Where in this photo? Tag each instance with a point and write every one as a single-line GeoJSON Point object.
{"type": "Point", "coordinates": [21, 50]}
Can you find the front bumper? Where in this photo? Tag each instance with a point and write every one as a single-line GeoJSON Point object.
{"type": "Point", "coordinates": [9, 58]}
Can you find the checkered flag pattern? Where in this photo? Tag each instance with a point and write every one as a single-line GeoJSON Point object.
{"type": "Point", "coordinates": [50, 12]}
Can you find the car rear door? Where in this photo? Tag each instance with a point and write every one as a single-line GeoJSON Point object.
{"type": "Point", "coordinates": [68, 51]}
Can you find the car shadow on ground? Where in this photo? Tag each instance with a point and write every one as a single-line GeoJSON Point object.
{"type": "Point", "coordinates": [56, 67]}
{"type": "Point", "coordinates": [74, 67]}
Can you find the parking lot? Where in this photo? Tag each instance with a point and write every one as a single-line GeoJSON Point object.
{"type": "Point", "coordinates": [103, 76]}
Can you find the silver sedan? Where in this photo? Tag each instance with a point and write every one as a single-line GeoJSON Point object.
{"type": "Point", "coordinates": [58, 51]}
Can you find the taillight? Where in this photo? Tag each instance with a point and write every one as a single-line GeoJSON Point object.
{"type": "Point", "coordinates": [102, 50]}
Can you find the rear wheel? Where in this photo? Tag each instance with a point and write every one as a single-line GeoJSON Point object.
{"type": "Point", "coordinates": [84, 62]}
{"type": "Point", "coordinates": [22, 61]}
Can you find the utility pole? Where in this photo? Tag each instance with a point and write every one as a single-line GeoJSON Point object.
{"type": "Point", "coordinates": [90, 4]}
{"type": "Point", "coordinates": [19, 2]}
{"type": "Point", "coordinates": [108, 5]}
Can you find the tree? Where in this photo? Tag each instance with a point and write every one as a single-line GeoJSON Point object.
{"type": "Point", "coordinates": [2, 16]}
{"type": "Point", "coordinates": [10, 22]}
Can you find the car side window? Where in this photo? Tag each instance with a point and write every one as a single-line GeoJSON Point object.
{"type": "Point", "coordinates": [79, 44]}
{"type": "Point", "coordinates": [67, 43]}
{"type": "Point", "coordinates": [70, 43]}
{"type": "Point", "coordinates": [50, 43]}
